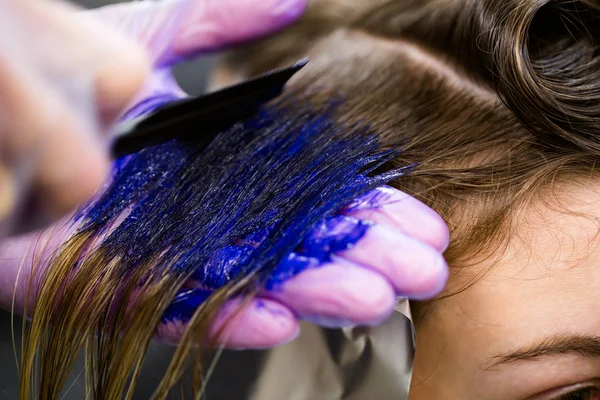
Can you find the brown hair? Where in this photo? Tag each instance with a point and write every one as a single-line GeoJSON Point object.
{"type": "Point", "coordinates": [491, 99]}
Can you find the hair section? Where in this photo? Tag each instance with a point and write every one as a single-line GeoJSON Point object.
{"type": "Point", "coordinates": [178, 211]}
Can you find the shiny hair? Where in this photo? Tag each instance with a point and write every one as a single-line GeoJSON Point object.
{"type": "Point", "coordinates": [489, 101]}
{"type": "Point", "coordinates": [495, 100]}
{"type": "Point", "coordinates": [182, 228]}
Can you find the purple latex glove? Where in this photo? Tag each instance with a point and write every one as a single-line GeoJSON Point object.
{"type": "Point", "coordinates": [176, 30]}
{"type": "Point", "coordinates": [67, 75]}
{"type": "Point", "coordinates": [400, 254]}
{"type": "Point", "coordinates": [63, 78]}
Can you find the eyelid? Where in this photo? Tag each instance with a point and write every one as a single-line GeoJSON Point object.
{"type": "Point", "coordinates": [556, 393]}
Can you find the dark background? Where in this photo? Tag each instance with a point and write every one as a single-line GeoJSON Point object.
{"type": "Point", "coordinates": [192, 76]}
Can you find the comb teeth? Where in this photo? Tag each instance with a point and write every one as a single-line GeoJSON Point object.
{"type": "Point", "coordinates": [203, 116]}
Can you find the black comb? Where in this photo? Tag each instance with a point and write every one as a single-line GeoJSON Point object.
{"type": "Point", "coordinates": [202, 117]}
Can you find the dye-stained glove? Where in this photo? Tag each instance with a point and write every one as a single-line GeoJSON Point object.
{"type": "Point", "coordinates": [398, 253]}
{"type": "Point", "coordinates": [66, 75]}
{"type": "Point", "coordinates": [385, 245]}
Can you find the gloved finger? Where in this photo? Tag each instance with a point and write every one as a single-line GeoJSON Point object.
{"type": "Point", "coordinates": [174, 30]}
{"type": "Point", "coordinates": [95, 68]}
{"type": "Point", "coordinates": [256, 324]}
{"type": "Point", "coordinates": [160, 89]}
{"type": "Point", "coordinates": [414, 268]}
{"type": "Point", "coordinates": [56, 76]}
{"type": "Point", "coordinates": [65, 164]}
{"type": "Point", "coordinates": [396, 209]}
{"type": "Point", "coordinates": [337, 294]}
{"type": "Point", "coordinates": [23, 261]}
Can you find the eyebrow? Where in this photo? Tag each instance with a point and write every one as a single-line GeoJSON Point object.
{"type": "Point", "coordinates": [588, 346]}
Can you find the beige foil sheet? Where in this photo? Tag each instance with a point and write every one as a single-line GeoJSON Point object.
{"type": "Point", "coordinates": [343, 364]}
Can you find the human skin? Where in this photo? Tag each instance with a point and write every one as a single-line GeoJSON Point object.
{"type": "Point", "coordinates": [541, 293]}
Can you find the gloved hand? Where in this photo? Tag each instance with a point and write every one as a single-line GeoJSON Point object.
{"type": "Point", "coordinates": [399, 255]}
{"type": "Point", "coordinates": [395, 249]}
{"type": "Point", "coordinates": [67, 75]}
{"type": "Point", "coordinates": [64, 78]}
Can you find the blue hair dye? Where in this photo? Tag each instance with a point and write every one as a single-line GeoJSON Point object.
{"type": "Point", "coordinates": [263, 197]}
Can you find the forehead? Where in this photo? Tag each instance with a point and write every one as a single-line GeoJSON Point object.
{"type": "Point", "coordinates": [557, 234]}
{"type": "Point", "coordinates": [544, 283]}
{"type": "Point", "coordinates": [551, 262]}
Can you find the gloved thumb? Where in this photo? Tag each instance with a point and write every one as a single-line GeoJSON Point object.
{"type": "Point", "coordinates": [173, 30]}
